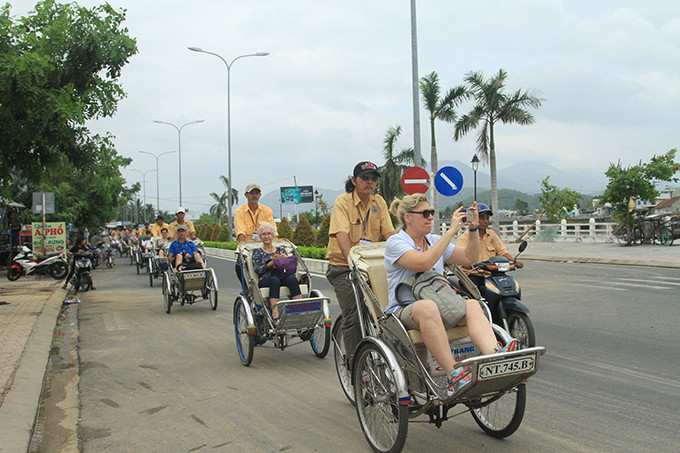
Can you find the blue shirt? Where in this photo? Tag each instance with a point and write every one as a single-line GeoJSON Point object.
{"type": "Point", "coordinates": [396, 246]}
{"type": "Point", "coordinates": [177, 248]}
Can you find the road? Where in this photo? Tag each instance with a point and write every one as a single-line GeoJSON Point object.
{"type": "Point", "coordinates": [157, 382]}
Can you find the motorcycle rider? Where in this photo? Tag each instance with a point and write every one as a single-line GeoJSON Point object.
{"type": "Point", "coordinates": [80, 245]}
{"type": "Point", "coordinates": [490, 241]}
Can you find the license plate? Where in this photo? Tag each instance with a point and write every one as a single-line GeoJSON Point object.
{"type": "Point", "coordinates": [507, 366]}
{"type": "Point", "coordinates": [302, 307]}
{"type": "Point", "coordinates": [192, 275]}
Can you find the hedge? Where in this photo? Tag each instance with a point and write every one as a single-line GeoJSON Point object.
{"type": "Point", "coordinates": [317, 253]}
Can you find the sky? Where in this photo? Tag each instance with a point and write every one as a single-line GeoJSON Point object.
{"type": "Point", "coordinates": [338, 74]}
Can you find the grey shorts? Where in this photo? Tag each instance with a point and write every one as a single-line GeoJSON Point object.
{"type": "Point", "coordinates": [404, 315]}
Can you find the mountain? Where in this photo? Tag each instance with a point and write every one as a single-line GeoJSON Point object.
{"type": "Point", "coordinates": [272, 199]}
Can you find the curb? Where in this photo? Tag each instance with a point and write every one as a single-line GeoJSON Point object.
{"type": "Point", "coordinates": [595, 260]}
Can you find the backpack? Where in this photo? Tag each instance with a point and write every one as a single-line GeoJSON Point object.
{"type": "Point", "coordinates": [434, 286]}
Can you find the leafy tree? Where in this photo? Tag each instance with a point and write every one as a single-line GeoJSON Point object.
{"type": "Point", "coordinates": [206, 219]}
{"type": "Point", "coordinates": [635, 183]}
{"type": "Point", "coordinates": [493, 105]}
{"type": "Point", "coordinates": [322, 234]}
{"type": "Point", "coordinates": [521, 206]}
{"type": "Point", "coordinates": [440, 109]}
{"type": "Point", "coordinates": [389, 184]}
{"type": "Point", "coordinates": [59, 67]}
{"type": "Point", "coordinates": [224, 234]}
{"type": "Point", "coordinates": [215, 233]}
{"type": "Point", "coordinates": [208, 233]}
{"type": "Point", "coordinates": [220, 208]}
{"type": "Point", "coordinates": [557, 202]}
{"type": "Point", "coordinates": [284, 230]}
{"type": "Point", "coordinates": [304, 235]}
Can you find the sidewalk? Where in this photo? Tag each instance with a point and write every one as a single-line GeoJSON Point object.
{"type": "Point", "coordinates": [29, 309]}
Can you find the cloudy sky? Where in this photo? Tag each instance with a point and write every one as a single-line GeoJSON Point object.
{"type": "Point", "coordinates": [339, 74]}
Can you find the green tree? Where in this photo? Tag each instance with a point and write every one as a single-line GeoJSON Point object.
{"type": "Point", "coordinates": [205, 219]}
{"type": "Point", "coordinates": [493, 105]}
{"type": "Point", "coordinates": [224, 234]}
{"type": "Point", "coordinates": [284, 230]}
{"type": "Point", "coordinates": [215, 233]}
{"type": "Point", "coordinates": [322, 234]}
{"type": "Point", "coordinates": [521, 206]}
{"type": "Point", "coordinates": [389, 184]}
{"type": "Point", "coordinates": [635, 183]}
{"type": "Point", "coordinates": [440, 109]}
{"type": "Point", "coordinates": [304, 235]}
{"type": "Point", "coordinates": [557, 202]}
{"type": "Point", "coordinates": [59, 67]}
{"type": "Point", "coordinates": [220, 208]}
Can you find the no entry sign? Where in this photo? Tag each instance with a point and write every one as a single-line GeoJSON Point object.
{"type": "Point", "coordinates": [415, 180]}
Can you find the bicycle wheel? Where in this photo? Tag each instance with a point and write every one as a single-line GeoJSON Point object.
{"type": "Point", "coordinates": [167, 294]}
{"type": "Point", "coordinates": [667, 237]}
{"type": "Point", "coordinates": [212, 294]}
{"type": "Point", "coordinates": [521, 328]}
{"type": "Point", "coordinates": [383, 419]}
{"type": "Point", "coordinates": [245, 343]}
{"type": "Point", "coordinates": [341, 365]}
{"type": "Point", "coordinates": [502, 417]}
{"type": "Point", "coordinates": [321, 339]}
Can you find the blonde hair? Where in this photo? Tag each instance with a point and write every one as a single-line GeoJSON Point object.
{"type": "Point", "coordinates": [400, 207]}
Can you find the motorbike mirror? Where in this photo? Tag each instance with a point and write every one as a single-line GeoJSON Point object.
{"type": "Point", "coordinates": [522, 246]}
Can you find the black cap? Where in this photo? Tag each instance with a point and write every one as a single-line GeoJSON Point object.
{"type": "Point", "coordinates": [365, 167]}
{"type": "Point", "coordinates": [160, 217]}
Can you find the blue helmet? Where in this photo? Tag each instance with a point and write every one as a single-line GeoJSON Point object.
{"type": "Point", "coordinates": [481, 207]}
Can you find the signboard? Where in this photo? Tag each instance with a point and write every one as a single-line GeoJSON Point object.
{"type": "Point", "coordinates": [54, 235]}
{"type": "Point", "coordinates": [448, 181]}
{"type": "Point", "coordinates": [415, 180]}
{"type": "Point", "coordinates": [297, 194]}
{"type": "Point", "coordinates": [37, 202]}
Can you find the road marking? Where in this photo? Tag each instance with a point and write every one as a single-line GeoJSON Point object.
{"type": "Point", "coordinates": [113, 322]}
{"type": "Point", "coordinates": [661, 280]}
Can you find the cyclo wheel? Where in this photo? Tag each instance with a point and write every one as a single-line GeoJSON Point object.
{"type": "Point", "coordinates": [212, 294]}
{"type": "Point", "coordinates": [383, 419]}
{"type": "Point", "coordinates": [321, 340]}
{"type": "Point", "coordinates": [151, 280]}
{"type": "Point", "coordinates": [341, 367]}
{"type": "Point", "coordinates": [167, 294]}
{"type": "Point", "coordinates": [521, 328]}
{"type": "Point", "coordinates": [245, 342]}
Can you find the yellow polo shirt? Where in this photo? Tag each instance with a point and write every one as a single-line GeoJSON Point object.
{"type": "Point", "coordinates": [172, 228]}
{"type": "Point", "coordinates": [156, 229]}
{"type": "Point", "coordinates": [350, 215]}
{"type": "Point", "coordinates": [247, 222]}
{"type": "Point", "coordinates": [490, 245]}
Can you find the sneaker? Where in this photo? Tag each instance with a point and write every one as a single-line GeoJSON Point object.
{"type": "Point", "coordinates": [512, 345]}
{"type": "Point", "coordinates": [459, 379]}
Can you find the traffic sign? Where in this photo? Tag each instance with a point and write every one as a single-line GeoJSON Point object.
{"type": "Point", "coordinates": [448, 181]}
{"type": "Point", "coordinates": [415, 180]}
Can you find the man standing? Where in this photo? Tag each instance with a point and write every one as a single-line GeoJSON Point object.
{"type": "Point", "coordinates": [172, 228]}
{"type": "Point", "coordinates": [358, 217]}
{"type": "Point", "coordinates": [249, 216]}
{"type": "Point", "coordinates": [158, 226]}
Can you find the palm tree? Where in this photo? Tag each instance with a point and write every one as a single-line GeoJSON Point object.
{"type": "Point", "coordinates": [389, 185]}
{"type": "Point", "coordinates": [220, 208]}
{"type": "Point", "coordinates": [442, 109]}
{"type": "Point", "coordinates": [494, 105]}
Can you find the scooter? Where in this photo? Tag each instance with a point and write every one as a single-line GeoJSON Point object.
{"type": "Point", "coordinates": [82, 277]}
{"type": "Point", "coordinates": [110, 261]}
{"type": "Point", "coordinates": [26, 263]}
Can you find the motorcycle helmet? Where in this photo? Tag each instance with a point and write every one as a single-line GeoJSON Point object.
{"type": "Point", "coordinates": [481, 207]}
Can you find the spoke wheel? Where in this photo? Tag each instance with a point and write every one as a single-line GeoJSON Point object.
{"type": "Point", "coordinates": [212, 294]}
{"type": "Point", "coordinates": [13, 274]}
{"type": "Point", "coordinates": [383, 420]}
{"type": "Point", "coordinates": [666, 237]}
{"type": "Point", "coordinates": [341, 367]}
{"type": "Point", "coordinates": [167, 294]}
{"type": "Point", "coordinates": [521, 328]}
{"type": "Point", "coordinates": [502, 417]}
{"type": "Point", "coordinates": [245, 343]}
{"type": "Point", "coordinates": [321, 340]}
{"type": "Point", "coordinates": [151, 280]}
{"type": "Point", "coordinates": [58, 270]}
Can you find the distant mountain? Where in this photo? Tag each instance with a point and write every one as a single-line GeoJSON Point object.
{"type": "Point", "coordinates": [272, 199]}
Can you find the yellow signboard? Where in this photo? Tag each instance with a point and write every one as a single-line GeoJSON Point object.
{"type": "Point", "coordinates": [54, 235]}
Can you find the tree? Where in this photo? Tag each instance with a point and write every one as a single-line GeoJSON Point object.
{"type": "Point", "coordinates": [389, 184]}
{"type": "Point", "coordinates": [557, 202]}
{"type": "Point", "coordinates": [493, 105]}
{"type": "Point", "coordinates": [200, 232]}
{"type": "Point", "coordinates": [59, 67]}
{"type": "Point", "coordinates": [521, 206]}
{"type": "Point", "coordinates": [635, 183]}
{"type": "Point", "coordinates": [220, 208]}
{"type": "Point", "coordinates": [224, 234]}
{"type": "Point", "coordinates": [284, 230]}
{"type": "Point", "coordinates": [322, 234]}
{"type": "Point", "coordinates": [440, 109]}
{"type": "Point", "coordinates": [215, 233]}
{"type": "Point", "coordinates": [208, 233]}
{"type": "Point", "coordinates": [304, 235]}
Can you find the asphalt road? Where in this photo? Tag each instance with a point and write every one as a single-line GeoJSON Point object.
{"type": "Point", "coordinates": [157, 382]}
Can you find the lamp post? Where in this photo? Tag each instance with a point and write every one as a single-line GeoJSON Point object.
{"type": "Point", "coordinates": [228, 65]}
{"type": "Point", "coordinates": [158, 192]}
{"type": "Point", "coordinates": [143, 173]}
{"type": "Point", "coordinates": [316, 207]}
{"type": "Point", "coordinates": [179, 149]}
{"type": "Point", "coordinates": [475, 166]}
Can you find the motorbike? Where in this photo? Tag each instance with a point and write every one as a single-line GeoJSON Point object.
{"type": "Point", "coordinates": [26, 263]}
{"type": "Point", "coordinates": [107, 253]}
{"type": "Point", "coordinates": [96, 255]}
{"type": "Point", "coordinates": [503, 295]}
{"type": "Point", "coordinates": [82, 277]}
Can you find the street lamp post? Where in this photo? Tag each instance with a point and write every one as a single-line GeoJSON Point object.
{"type": "Point", "coordinates": [143, 173]}
{"type": "Point", "coordinates": [179, 149]}
{"type": "Point", "coordinates": [475, 166]}
{"type": "Point", "coordinates": [228, 65]}
{"type": "Point", "coordinates": [158, 193]}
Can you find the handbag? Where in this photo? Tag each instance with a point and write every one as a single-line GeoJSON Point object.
{"type": "Point", "coordinates": [434, 286]}
{"type": "Point", "coordinates": [283, 267]}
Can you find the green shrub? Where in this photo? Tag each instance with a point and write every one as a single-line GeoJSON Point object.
{"type": "Point", "coordinates": [224, 234]}
{"type": "Point", "coordinates": [215, 233]}
{"type": "Point", "coordinates": [208, 233]}
{"type": "Point", "coordinates": [304, 235]}
{"type": "Point", "coordinates": [284, 230]}
{"type": "Point", "coordinates": [222, 245]}
{"type": "Point", "coordinates": [322, 235]}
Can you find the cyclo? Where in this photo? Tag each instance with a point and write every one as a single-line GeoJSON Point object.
{"type": "Point", "coordinates": [306, 319]}
{"type": "Point", "coordinates": [187, 285]}
{"type": "Point", "coordinates": [394, 378]}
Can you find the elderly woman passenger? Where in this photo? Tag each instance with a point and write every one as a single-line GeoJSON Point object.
{"type": "Point", "coordinates": [263, 263]}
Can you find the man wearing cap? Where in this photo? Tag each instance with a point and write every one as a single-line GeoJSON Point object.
{"type": "Point", "coordinates": [249, 216]}
{"type": "Point", "coordinates": [172, 228]}
{"type": "Point", "coordinates": [182, 251]}
{"type": "Point", "coordinates": [358, 217]}
{"type": "Point", "coordinates": [158, 226]}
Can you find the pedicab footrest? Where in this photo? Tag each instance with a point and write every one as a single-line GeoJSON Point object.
{"type": "Point", "coordinates": [301, 313]}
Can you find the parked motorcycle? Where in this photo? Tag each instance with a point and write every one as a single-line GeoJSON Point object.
{"type": "Point", "coordinates": [26, 263]}
{"type": "Point", "coordinates": [82, 277]}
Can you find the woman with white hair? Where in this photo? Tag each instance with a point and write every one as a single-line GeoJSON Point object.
{"type": "Point", "coordinates": [263, 264]}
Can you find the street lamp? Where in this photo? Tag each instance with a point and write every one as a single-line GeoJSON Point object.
{"type": "Point", "coordinates": [179, 149]}
{"type": "Point", "coordinates": [316, 207]}
{"type": "Point", "coordinates": [228, 65]}
{"type": "Point", "coordinates": [158, 196]}
{"type": "Point", "coordinates": [143, 173]}
{"type": "Point", "coordinates": [475, 166]}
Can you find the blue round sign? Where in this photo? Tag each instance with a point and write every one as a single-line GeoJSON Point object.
{"type": "Point", "coordinates": [448, 181]}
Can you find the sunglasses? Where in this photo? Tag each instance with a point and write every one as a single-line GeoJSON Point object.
{"type": "Point", "coordinates": [370, 177]}
{"type": "Point", "coordinates": [426, 213]}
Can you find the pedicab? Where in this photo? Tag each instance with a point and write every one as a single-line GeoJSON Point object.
{"type": "Point", "coordinates": [393, 378]}
{"type": "Point", "coordinates": [300, 320]}
{"type": "Point", "coordinates": [188, 284]}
